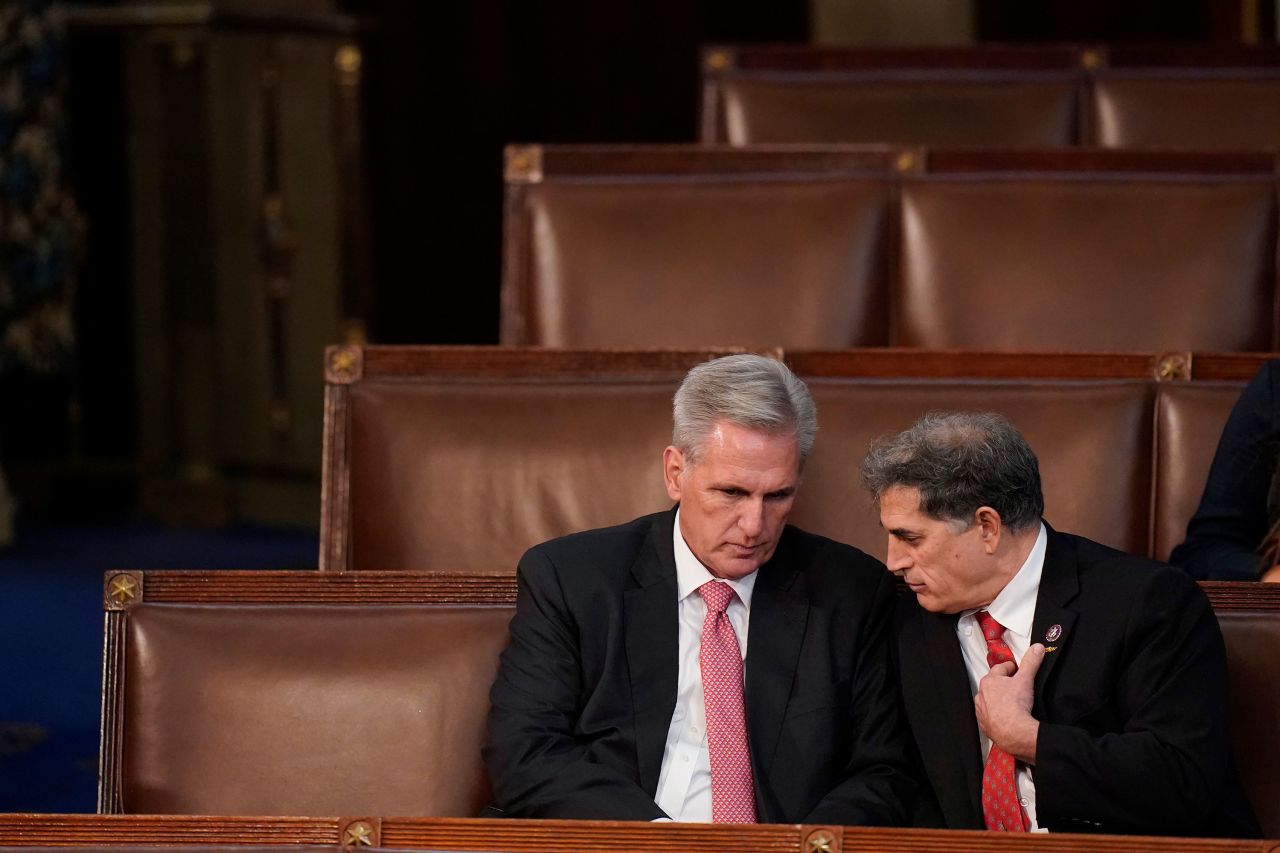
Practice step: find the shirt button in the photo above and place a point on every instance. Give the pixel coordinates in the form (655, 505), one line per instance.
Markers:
(1023, 800)
(685, 759)
(967, 630)
(693, 730)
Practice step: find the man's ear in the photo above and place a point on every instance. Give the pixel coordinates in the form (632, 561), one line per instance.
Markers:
(673, 468)
(991, 526)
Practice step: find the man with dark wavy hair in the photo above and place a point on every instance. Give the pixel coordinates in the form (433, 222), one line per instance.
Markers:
(1051, 683)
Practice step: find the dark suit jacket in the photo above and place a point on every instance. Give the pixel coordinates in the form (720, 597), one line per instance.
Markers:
(587, 686)
(1131, 704)
(1224, 535)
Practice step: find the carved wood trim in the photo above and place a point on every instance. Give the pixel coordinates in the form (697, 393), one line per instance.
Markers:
(562, 836)
(874, 363)
(308, 587)
(111, 714)
(335, 479)
(27, 830)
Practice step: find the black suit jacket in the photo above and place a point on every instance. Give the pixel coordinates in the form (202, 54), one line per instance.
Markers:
(587, 687)
(1131, 704)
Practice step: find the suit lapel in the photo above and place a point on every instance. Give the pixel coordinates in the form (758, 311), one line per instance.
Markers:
(948, 732)
(1053, 622)
(779, 615)
(653, 647)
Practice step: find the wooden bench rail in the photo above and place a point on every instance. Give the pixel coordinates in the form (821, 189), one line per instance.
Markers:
(556, 836)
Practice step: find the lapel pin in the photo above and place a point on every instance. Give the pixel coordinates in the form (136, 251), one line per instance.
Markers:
(1052, 635)
(1048, 649)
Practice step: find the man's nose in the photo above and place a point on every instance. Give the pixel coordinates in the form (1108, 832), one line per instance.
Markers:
(751, 519)
(898, 558)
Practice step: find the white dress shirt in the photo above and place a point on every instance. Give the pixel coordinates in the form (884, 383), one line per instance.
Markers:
(684, 784)
(1015, 609)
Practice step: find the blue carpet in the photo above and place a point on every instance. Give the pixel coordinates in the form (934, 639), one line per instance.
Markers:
(51, 639)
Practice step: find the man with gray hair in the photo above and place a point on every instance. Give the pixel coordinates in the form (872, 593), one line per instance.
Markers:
(1050, 682)
(708, 663)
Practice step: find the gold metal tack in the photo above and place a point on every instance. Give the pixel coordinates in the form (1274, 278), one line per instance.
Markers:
(523, 165)
(1091, 60)
(123, 588)
(344, 360)
(822, 842)
(717, 60)
(348, 59)
(1173, 366)
(359, 835)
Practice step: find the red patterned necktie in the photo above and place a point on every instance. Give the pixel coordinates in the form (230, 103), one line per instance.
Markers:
(733, 798)
(1001, 808)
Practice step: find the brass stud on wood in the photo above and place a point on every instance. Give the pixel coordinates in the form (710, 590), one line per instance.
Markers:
(123, 590)
(717, 60)
(822, 841)
(1173, 367)
(524, 164)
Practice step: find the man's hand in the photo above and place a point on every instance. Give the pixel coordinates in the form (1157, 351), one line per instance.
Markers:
(1003, 705)
(1271, 575)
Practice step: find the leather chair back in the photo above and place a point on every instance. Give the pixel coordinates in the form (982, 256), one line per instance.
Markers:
(435, 468)
(297, 694)
(982, 109)
(1253, 667)
(1189, 421)
(1085, 260)
(693, 251)
(1093, 440)
(1169, 108)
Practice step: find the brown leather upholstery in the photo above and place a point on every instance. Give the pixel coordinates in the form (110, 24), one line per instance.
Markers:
(1189, 421)
(439, 462)
(1105, 262)
(1253, 666)
(295, 693)
(307, 710)
(984, 109)
(730, 263)
(807, 249)
(1184, 96)
(1093, 440)
(464, 476)
(1234, 108)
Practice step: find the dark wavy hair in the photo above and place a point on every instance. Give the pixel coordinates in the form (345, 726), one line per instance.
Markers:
(960, 461)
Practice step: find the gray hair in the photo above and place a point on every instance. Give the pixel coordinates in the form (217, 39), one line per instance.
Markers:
(751, 391)
(960, 461)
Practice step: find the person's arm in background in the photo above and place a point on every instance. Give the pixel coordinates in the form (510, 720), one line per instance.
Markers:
(1224, 535)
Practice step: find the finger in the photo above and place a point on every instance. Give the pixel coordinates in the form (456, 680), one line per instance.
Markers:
(1031, 663)
(1003, 669)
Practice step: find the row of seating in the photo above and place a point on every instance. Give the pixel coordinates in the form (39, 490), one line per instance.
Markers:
(845, 246)
(458, 459)
(285, 693)
(196, 834)
(997, 96)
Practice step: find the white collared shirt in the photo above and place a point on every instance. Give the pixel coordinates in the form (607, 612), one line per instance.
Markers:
(684, 784)
(1015, 609)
